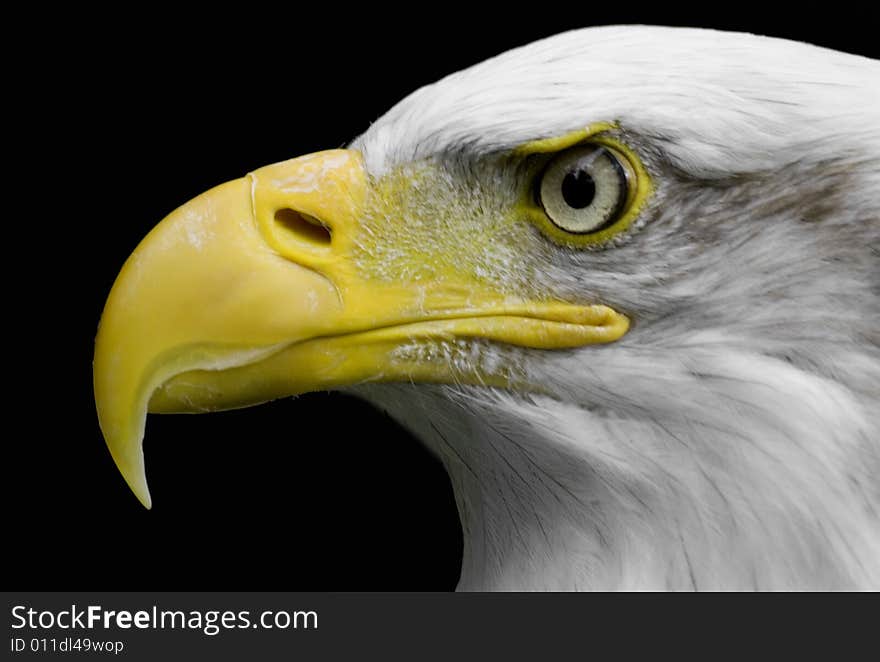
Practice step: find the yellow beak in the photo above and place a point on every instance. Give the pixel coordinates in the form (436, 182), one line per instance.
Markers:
(251, 291)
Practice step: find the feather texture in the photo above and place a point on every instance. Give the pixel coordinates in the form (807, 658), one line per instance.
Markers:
(732, 439)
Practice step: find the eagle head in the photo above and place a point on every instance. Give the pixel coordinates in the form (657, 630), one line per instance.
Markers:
(624, 281)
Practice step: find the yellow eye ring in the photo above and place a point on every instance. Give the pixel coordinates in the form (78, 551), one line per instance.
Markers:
(608, 186)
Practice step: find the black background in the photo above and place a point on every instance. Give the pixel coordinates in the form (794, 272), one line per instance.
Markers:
(127, 117)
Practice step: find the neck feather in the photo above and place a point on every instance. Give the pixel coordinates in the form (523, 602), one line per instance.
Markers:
(747, 486)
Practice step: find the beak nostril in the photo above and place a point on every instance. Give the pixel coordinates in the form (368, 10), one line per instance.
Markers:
(303, 227)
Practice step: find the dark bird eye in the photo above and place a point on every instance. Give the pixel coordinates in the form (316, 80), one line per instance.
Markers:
(584, 189)
(578, 189)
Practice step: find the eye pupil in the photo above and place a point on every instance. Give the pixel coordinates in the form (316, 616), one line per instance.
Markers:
(578, 189)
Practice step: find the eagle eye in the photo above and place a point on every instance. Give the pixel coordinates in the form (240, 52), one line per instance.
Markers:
(585, 189)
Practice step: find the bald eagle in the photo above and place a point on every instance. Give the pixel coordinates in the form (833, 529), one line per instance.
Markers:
(623, 281)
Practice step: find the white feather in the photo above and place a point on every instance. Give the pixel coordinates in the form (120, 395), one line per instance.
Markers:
(722, 102)
(732, 438)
